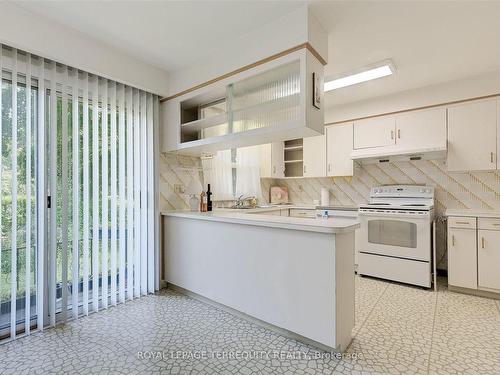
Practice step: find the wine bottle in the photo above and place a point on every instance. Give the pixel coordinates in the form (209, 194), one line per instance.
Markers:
(209, 199)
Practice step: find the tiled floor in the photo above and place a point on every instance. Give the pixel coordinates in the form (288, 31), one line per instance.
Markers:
(399, 330)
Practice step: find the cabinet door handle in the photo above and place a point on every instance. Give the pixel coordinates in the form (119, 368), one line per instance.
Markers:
(392, 134)
(491, 157)
(329, 167)
(482, 242)
(399, 133)
(304, 169)
(463, 222)
(274, 169)
(452, 240)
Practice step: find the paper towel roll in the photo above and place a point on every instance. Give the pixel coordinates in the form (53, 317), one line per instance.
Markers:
(325, 197)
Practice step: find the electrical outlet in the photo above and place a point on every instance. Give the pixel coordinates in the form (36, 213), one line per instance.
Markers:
(179, 188)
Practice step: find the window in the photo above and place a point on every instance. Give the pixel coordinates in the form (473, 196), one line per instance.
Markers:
(233, 173)
(230, 173)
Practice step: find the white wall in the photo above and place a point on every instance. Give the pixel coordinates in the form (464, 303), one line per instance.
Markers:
(481, 85)
(292, 29)
(27, 31)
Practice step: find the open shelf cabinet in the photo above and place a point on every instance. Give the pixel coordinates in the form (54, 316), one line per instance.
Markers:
(268, 103)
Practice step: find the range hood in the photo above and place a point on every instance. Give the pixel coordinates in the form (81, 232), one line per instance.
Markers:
(386, 155)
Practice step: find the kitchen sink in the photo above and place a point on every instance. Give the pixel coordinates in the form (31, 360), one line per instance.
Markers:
(247, 207)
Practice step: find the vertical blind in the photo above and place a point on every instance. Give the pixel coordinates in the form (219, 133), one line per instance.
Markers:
(78, 220)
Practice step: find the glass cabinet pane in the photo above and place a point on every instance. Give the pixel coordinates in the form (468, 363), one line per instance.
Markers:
(268, 99)
(392, 233)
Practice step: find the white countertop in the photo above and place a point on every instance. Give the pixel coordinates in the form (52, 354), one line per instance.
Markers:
(271, 208)
(472, 212)
(331, 225)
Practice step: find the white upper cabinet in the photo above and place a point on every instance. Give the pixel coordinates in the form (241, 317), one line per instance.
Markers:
(170, 133)
(265, 155)
(374, 132)
(423, 129)
(314, 156)
(271, 160)
(277, 160)
(339, 140)
(407, 133)
(472, 136)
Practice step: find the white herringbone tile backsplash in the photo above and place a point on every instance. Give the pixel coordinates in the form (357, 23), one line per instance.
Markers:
(177, 170)
(452, 190)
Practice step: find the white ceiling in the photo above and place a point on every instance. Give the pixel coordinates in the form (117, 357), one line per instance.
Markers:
(167, 34)
(429, 41)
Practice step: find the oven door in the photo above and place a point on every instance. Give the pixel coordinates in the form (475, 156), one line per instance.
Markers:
(395, 234)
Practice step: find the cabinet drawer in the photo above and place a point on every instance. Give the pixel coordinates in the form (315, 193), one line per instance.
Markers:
(295, 212)
(462, 222)
(273, 213)
(488, 223)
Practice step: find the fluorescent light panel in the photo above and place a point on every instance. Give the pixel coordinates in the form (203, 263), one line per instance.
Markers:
(353, 79)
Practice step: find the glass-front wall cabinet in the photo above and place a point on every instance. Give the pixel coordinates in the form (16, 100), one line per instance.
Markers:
(267, 99)
(270, 102)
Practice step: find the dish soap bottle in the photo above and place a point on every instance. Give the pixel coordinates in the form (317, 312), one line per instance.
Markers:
(203, 201)
(209, 199)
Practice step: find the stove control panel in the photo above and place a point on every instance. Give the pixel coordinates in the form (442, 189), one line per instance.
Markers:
(402, 191)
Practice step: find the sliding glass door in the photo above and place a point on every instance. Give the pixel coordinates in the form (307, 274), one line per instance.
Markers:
(96, 257)
(65, 250)
(78, 223)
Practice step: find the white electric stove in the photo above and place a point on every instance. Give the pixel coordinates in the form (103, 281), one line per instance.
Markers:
(395, 239)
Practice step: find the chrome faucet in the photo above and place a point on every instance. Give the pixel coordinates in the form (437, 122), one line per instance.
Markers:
(240, 202)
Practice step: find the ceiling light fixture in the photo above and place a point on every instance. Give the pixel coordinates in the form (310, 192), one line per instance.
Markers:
(375, 71)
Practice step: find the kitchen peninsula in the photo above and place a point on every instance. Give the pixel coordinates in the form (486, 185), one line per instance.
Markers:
(294, 274)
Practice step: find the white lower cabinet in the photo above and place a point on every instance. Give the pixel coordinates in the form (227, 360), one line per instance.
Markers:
(474, 253)
(462, 257)
(488, 255)
(488, 259)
